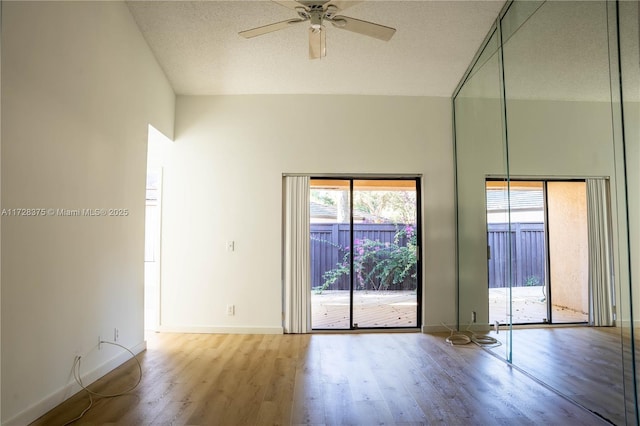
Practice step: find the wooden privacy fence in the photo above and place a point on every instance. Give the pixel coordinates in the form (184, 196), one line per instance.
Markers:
(527, 254)
(331, 241)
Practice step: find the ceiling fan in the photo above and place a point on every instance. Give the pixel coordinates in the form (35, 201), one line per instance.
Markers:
(317, 12)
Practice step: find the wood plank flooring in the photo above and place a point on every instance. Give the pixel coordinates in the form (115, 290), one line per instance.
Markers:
(583, 363)
(321, 379)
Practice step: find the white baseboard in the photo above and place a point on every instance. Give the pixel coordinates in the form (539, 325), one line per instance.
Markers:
(220, 330)
(436, 328)
(482, 328)
(626, 323)
(56, 398)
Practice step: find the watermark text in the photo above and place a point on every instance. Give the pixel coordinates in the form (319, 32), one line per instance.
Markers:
(37, 212)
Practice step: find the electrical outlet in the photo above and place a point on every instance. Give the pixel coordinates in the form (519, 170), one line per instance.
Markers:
(473, 317)
(231, 310)
(116, 334)
(99, 342)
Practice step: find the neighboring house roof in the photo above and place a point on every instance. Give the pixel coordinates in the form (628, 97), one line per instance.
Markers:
(325, 211)
(528, 199)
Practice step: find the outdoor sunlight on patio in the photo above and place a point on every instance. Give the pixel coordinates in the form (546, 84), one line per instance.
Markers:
(370, 309)
(529, 306)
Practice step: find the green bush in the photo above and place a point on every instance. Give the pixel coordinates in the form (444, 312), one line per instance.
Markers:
(379, 266)
(532, 280)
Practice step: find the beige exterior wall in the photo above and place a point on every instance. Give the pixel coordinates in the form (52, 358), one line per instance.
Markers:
(568, 245)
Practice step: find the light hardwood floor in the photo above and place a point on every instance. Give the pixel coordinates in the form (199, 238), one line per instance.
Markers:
(321, 379)
(584, 363)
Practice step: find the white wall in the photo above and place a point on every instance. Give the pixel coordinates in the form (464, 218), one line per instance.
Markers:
(223, 181)
(79, 88)
(632, 122)
(479, 153)
(0, 220)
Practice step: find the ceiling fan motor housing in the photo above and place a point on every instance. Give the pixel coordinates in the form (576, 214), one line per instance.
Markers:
(316, 14)
(316, 19)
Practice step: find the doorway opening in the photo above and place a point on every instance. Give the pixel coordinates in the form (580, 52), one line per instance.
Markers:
(158, 151)
(152, 227)
(543, 225)
(365, 263)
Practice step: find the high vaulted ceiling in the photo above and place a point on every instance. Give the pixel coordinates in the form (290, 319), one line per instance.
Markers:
(198, 46)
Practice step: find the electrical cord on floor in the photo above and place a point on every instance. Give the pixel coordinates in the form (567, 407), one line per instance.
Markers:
(78, 379)
(456, 338)
(483, 340)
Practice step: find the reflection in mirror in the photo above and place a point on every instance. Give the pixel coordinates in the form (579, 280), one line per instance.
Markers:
(542, 109)
(629, 36)
(559, 125)
(480, 151)
(516, 16)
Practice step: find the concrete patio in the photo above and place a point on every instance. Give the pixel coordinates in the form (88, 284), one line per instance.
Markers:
(373, 309)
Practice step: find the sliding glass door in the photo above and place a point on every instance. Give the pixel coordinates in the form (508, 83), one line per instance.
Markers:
(365, 253)
(546, 233)
(330, 209)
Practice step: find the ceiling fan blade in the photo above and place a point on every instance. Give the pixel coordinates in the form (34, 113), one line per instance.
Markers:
(317, 43)
(269, 28)
(370, 29)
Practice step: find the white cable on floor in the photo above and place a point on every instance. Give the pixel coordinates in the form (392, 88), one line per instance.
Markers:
(483, 340)
(78, 378)
(76, 365)
(456, 338)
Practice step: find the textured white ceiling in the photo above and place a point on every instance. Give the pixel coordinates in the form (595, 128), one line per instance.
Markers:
(560, 53)
(197, 45)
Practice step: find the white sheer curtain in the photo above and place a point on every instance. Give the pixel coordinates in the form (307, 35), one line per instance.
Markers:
(297, 256)
(601, 296)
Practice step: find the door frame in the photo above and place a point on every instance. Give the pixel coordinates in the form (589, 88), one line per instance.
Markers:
(544, 180)
(418, 188)
(153, 231)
